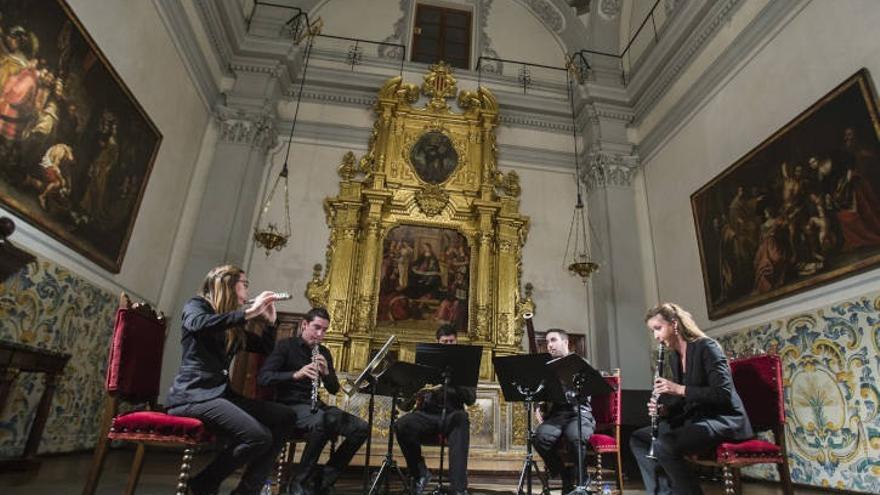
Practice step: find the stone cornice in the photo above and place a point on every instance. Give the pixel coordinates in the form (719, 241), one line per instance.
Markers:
(343, 135)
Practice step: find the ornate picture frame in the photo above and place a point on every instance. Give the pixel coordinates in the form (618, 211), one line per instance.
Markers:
(76, 148)
(800, 210)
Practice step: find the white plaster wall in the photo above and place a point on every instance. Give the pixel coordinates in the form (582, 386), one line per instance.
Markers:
(132, 36)
(356, 19)
(312, 178)
(518, 35)
(548, 198)
(822, 45)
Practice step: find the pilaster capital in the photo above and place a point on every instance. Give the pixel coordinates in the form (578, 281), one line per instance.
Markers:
(609, 169)
(256, 129)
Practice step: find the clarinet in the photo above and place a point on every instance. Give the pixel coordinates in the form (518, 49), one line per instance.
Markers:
(655, 418)
(316, 382)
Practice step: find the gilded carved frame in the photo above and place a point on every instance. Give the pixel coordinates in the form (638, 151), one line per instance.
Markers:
(382, 190)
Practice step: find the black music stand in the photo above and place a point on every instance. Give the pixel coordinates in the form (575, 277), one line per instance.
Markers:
(459, 366)
(579, 380)
(526, 378)
(399, 379)
(365, 382)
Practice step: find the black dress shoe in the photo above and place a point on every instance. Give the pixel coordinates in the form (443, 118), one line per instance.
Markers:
(297, 488)
(421, 482)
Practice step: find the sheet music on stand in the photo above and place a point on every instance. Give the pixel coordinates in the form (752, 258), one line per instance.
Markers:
(576, 374)
(370, 369)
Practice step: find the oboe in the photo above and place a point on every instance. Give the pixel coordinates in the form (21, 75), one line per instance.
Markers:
(655, 418)
(316, 382)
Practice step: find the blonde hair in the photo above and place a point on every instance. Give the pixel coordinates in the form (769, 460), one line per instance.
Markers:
(673, 313)
(219, 290)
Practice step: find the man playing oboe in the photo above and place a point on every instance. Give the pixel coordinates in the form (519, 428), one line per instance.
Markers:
(561, 421)
(698, 407)
(296, 370)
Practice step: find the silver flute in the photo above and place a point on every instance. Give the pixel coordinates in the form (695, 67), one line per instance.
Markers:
(316, 382)
(279, 296)
(655, 418)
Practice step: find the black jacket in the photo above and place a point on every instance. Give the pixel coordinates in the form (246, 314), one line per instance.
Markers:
(204, 362)
(289, 356)
(710, 396)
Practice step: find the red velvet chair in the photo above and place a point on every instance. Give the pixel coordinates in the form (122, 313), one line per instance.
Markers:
(606, 438)
(758, 380)
(133, 370)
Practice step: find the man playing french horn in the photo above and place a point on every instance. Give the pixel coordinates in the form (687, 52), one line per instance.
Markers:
(296, 368)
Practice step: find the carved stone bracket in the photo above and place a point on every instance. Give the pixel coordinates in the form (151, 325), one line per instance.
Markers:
(610, 169)
(238, 127)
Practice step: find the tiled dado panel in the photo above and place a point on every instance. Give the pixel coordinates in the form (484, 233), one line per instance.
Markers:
(831, 360)
(47, 306)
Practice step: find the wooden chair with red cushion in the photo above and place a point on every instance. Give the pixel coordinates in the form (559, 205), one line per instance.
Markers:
(133, 370)
(606, 438)
(758, 381)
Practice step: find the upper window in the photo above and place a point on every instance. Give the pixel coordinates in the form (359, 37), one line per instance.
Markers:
(442, 34)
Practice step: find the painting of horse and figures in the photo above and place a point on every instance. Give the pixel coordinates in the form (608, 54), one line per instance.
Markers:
(799, 210)
(76, 148)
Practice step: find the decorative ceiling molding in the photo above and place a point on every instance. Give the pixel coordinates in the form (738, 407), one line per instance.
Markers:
(657, 80)
(549, 15)
(610, 9)
(484, 8)
(765, 24)
(401, 28)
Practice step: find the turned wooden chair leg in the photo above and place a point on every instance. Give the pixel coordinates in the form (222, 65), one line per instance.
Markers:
(185, 466)
(599, 479)
(619, 472)
(135, 474)
(107, 413)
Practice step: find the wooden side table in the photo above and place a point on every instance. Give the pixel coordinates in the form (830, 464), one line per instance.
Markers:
(14, 359)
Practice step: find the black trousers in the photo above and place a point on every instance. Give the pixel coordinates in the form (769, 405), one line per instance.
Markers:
(419, 427)
(256, 431)
(562, 423)
(670, 473)
(324, 424)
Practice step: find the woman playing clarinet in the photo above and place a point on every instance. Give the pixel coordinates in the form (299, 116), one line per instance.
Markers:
(697, 406)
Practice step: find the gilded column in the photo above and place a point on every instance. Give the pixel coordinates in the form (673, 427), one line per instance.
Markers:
(366, 295)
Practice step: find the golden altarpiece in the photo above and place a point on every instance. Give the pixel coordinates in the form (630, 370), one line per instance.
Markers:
(425, 230)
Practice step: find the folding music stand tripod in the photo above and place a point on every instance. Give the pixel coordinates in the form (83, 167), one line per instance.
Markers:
(459, 366)
(399, 379)
(579, 381)
(525, 378)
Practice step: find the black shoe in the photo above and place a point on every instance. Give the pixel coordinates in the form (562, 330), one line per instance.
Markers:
(421, 482)
(297, 488)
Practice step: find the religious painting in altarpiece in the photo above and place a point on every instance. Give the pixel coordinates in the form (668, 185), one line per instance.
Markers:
(425, 230)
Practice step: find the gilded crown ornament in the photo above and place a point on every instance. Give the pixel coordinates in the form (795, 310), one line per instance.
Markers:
(439, 85)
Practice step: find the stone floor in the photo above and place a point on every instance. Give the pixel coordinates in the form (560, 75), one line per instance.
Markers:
(65, 474)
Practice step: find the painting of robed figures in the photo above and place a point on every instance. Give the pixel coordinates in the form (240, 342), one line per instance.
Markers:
(799, 210)
(76, 149)
(424, 279)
